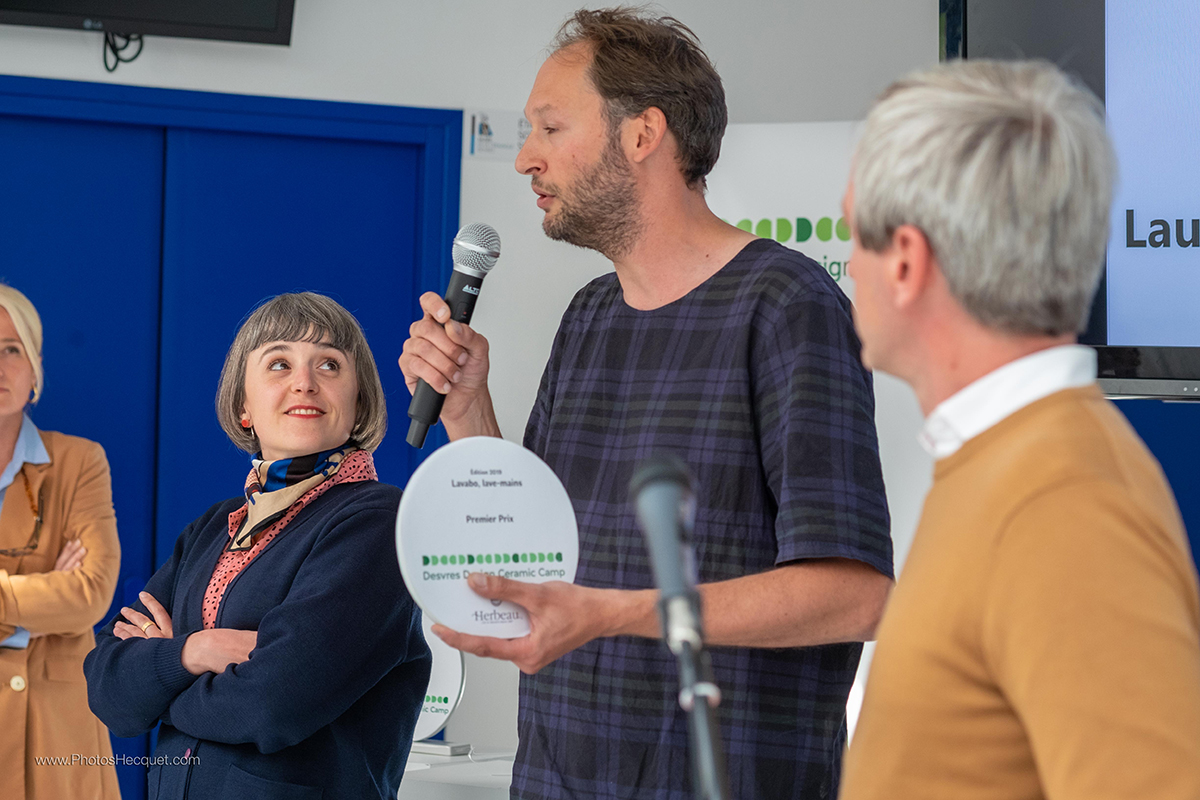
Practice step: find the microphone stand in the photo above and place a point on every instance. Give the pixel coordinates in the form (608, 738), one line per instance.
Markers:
(665, 508)
(698, 693)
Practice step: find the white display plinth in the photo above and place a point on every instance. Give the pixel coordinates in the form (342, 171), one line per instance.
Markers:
(480, 776)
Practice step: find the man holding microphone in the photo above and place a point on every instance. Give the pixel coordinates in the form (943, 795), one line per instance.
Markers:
(735, 354)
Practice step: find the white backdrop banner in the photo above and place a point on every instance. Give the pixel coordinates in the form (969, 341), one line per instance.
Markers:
(785, 182)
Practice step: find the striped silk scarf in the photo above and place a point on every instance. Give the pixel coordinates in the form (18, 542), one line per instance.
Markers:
(273, 486)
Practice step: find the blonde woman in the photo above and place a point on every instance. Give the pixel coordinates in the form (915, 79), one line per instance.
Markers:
(59, 558)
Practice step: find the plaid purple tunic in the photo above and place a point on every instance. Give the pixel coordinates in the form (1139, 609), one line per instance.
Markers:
(753, 379)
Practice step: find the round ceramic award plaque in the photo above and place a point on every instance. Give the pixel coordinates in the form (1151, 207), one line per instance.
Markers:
(445, 685)
(487, 505)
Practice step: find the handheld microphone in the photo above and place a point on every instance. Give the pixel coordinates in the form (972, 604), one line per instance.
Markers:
(662, 489)
(476, 248)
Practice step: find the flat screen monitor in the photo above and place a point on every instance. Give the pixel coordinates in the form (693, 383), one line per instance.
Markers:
(1142, 60)
(262, 21)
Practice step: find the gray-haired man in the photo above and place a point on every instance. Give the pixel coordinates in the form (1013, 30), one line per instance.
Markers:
(1044, 640)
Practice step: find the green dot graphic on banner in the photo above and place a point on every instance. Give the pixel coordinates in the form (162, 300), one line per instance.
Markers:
(483, 505)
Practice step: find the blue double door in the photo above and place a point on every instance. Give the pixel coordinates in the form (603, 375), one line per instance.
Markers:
(144, 245)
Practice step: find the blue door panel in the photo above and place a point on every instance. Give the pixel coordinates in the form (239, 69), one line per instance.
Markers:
(80, 221)
(1172, 432)
(104, 190)
(249, 216)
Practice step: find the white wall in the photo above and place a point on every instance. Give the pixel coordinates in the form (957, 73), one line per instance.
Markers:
(781, 61)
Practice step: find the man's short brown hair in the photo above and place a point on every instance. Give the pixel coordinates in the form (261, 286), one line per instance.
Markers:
(639, 62)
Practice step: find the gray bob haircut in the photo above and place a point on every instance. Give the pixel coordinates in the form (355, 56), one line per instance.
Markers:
(1007, 169)
(302, 317)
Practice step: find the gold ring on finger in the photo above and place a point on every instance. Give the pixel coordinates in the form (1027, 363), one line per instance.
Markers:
(147, 624)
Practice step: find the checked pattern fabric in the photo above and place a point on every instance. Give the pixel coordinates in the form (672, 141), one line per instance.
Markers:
(754, 379)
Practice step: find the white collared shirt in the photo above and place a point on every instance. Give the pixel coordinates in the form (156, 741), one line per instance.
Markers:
(28, 450)
(1002, 392)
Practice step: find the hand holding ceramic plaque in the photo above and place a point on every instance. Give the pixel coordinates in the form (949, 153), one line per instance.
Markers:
(483, 505)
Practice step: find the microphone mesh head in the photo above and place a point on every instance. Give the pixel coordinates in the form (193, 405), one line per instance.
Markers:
(476, 247)
(663, 467)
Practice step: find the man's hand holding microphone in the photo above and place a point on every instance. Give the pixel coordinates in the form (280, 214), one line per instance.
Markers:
(452, 359)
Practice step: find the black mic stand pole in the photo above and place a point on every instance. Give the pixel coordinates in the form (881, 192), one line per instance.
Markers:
(665, 507)
(698, 693)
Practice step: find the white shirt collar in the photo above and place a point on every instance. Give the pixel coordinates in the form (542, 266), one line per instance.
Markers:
(29, 450)
(1002, 392)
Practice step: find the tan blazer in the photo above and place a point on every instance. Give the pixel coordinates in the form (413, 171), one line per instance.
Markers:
(43, 696)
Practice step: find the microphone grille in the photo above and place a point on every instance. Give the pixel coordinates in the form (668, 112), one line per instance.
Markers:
(661, 467)
(476, 247)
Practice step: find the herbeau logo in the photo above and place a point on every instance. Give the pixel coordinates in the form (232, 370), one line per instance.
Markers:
(1159, 234)
(493, 617)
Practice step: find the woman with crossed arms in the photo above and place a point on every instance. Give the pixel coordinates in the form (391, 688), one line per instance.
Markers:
(59, 559)
(278, 645)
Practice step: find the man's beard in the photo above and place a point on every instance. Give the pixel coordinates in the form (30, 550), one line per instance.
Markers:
(601, 211)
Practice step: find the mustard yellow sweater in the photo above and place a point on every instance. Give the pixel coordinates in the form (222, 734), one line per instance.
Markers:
(1043, 640)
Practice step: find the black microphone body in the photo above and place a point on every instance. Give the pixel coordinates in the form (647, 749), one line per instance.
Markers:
(663, 496)
(476, 248)
(426, 405)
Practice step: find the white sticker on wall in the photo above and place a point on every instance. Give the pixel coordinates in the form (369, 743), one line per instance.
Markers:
(483, 505)
(494, 134)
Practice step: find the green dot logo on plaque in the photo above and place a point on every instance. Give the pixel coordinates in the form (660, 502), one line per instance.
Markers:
(445, 686)
(483, 505)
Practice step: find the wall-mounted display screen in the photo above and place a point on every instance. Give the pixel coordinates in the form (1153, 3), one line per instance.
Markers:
(1153, 103)
(1141, 59)
(264, 21)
